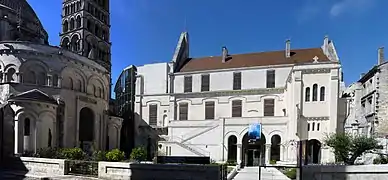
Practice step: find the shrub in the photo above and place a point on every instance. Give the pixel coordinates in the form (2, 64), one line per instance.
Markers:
(115, 155)
(381, 160)
(347, 148)
(73, 154)
(272, 162)
(139, 154)
(99, 156)
(290, 173)
(47, 153)
(231, 162)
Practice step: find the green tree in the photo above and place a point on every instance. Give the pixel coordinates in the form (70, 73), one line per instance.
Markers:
(347, 148)
(139, 154)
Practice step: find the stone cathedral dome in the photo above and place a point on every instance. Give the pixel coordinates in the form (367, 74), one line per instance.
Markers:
(19, 22)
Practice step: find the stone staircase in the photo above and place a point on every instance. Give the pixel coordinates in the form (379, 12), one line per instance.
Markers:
(252, 173)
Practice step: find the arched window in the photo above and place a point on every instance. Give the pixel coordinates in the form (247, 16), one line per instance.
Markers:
(322, 94)
(232, 148)
(65, 26)
(78, 21)
(42, 79)
(72, 23)
(55, 80)
(10, 74)
(307, 94)
(27, 126)
(30, 77)
(315, 92)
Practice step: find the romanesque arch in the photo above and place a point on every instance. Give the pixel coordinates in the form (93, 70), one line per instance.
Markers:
(314, 151)
(275, 147)
(253, 151)
(86, 125)
(232, 148)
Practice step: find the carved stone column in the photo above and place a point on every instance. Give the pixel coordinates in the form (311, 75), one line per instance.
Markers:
(267, 153)
(4, 77)
(239, 147)
(60, 82)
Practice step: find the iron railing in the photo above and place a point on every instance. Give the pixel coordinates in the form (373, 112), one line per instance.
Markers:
(84, 168)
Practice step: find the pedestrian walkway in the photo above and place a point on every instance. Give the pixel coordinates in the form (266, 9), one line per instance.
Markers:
(252, 173)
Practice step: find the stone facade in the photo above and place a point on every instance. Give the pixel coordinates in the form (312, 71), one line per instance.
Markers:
(369, 97)
(223, 137)
(58, 97)
(357, 172)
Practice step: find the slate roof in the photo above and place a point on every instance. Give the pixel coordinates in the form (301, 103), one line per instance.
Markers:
(33, 95)
(298, 56)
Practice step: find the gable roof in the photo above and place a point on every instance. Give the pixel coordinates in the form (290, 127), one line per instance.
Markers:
(34, 95)
(298, 56)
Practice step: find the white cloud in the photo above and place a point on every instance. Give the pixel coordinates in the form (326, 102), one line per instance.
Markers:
(350, 6)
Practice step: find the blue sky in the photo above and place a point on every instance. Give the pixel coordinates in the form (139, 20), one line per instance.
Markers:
(147, 31)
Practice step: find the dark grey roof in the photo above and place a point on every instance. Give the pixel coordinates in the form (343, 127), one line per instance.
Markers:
(33, 95)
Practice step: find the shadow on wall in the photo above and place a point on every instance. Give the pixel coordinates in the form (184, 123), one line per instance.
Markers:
(331, 172)
(146, 136)
(163, 172)
(8, 164)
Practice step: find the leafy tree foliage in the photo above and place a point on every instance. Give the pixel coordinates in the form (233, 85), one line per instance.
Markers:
(347, 148)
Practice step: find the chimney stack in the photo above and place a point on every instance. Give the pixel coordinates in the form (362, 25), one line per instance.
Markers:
(225, 54)
(288, 48)
(381, 55)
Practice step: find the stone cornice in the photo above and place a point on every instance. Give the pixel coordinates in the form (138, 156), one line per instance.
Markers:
(316, 70)
(319, 118)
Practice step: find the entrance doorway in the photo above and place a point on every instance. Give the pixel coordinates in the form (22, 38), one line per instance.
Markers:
(253, 151)
(314, 151)
(86, 128)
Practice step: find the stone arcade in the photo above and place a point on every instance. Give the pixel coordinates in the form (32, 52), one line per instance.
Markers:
(55, 96)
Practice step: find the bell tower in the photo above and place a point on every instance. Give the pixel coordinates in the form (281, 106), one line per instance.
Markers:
(86, 29)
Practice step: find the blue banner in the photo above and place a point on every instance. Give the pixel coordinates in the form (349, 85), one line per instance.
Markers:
(254, 131)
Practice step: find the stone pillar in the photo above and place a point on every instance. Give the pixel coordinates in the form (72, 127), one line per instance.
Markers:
(60, 82)
(239, 160)
(16, 129)
(49, 80)
(267, 153)
(4, 77)
(36, 137)
(282, 152)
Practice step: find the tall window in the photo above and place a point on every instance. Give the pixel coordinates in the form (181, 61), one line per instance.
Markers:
(270, 78)
(269, 107)
(153, 114)
(322, 94)
(27, 126)
(237, 81)
(307, 94)
(236, 108)
(188, 84)
(183, 111)
(205, 82)
(209, 110)
(315, 92)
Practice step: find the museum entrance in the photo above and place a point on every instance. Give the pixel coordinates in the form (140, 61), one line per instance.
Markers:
(253, 151)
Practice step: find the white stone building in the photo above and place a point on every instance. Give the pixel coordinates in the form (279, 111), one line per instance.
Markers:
(369, 100)
(53, 97)
(208, 103)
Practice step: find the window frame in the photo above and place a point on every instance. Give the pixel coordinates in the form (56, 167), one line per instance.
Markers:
(210, 110)
(205, 78)
(270, 78)
(237, 105)
(237, 78)
(188, 84)
(269, 104)
(183, 111)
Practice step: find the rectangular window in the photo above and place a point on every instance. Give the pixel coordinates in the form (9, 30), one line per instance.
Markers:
(153, 114)
(237, 81)
(308, 126)
(27, 130)
(269, 107)
(209, 110)
(188, 84)
(270, 78)
(205, 82)
(236, 108)
(183, 111)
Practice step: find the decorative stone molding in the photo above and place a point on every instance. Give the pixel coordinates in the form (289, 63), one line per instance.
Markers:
(316, 71)
(229, 93)
(87, 99)
(317, 118)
